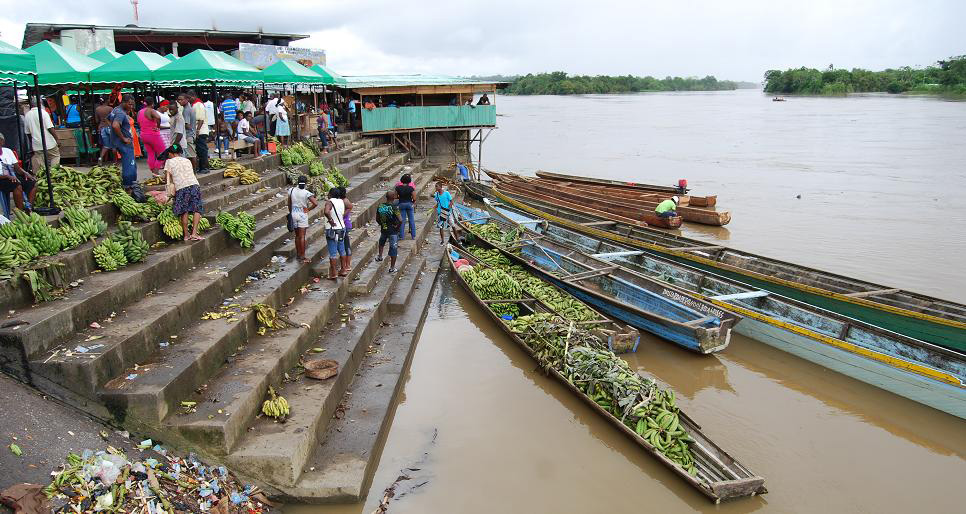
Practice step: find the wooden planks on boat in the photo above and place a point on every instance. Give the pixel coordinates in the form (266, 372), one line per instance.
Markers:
(695, 201)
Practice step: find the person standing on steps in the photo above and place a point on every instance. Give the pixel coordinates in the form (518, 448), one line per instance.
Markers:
(201, 131)
(187, 192)
(387, 216)
(150, 122)
(407, 205)
(444, 203)
(334, 210)
(300, 202)
(14, 179)
(122, 141)
(190, 129)
(101, 112)
(347, 218)
(33, 127)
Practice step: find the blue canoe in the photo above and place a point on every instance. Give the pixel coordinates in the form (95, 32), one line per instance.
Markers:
(650, 305)
(918, 370)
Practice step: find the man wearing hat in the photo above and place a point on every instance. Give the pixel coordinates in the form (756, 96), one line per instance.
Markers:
(667, 208)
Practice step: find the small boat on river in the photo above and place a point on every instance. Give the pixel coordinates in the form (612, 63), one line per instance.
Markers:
(719, 476)
(923, 372)
(650, 305)
(918, 316)
(611, 185)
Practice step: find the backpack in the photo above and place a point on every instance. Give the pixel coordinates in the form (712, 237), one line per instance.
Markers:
(386, 216)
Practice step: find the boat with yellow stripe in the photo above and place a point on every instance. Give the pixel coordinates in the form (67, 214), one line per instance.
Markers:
(923, 372)
(929, 319)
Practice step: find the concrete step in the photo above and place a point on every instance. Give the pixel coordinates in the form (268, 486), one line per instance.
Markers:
(376, 158)
(275, 452)
(168, 304)
(340, 469)
(103, 293)
(238, 388)
(406, 285)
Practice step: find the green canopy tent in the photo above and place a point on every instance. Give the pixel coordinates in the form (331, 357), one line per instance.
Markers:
(331, 78)
(131, 67)
(58, 65)
(104, 55)
(290, 72)
(171, 57)
(207, 67)
(19, 68)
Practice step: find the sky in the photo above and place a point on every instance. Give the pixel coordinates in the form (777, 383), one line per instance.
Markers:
(730, 39)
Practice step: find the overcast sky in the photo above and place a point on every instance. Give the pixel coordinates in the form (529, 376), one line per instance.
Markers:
(731, 39)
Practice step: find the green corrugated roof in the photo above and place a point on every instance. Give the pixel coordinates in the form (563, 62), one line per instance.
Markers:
(130, 67)
(58, 65)
(16, 64)
(331, 77)
(104, 55)
(203, 66)
(290, 72)
(359, 81)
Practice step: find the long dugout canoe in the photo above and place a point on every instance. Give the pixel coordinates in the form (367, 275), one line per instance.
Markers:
(612, 203)
(720, 476)
(923, 372)
(695, 201)
(684, 320)
(922, 317)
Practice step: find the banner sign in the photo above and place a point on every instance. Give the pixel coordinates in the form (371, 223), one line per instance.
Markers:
(262, 56)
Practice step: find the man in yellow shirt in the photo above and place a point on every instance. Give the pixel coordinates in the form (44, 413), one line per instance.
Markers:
(667, 208)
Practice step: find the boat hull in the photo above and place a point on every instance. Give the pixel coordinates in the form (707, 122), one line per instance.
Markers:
(932, 329)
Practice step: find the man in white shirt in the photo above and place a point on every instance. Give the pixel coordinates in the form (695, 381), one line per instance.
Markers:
(210, 114)
(32, 127)
(271, 109)
(247, 134)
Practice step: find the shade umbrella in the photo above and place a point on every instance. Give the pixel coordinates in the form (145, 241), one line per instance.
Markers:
(131, 67)
(58, 65)
(104, 55)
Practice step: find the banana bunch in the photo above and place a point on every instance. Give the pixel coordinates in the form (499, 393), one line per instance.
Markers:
(135, 247)
(241, 227)
(170, 224)
(216, 163)
(267, 317)
(109, 255)
(246, 175)
(203, 224)
(72, 239)
(488, 231)
(494, 284)
(660, 425)
(16, 252)
(76, 188)
(129, 208)
(158, 180)
(34, 228)
(87, 224)
(276, 406)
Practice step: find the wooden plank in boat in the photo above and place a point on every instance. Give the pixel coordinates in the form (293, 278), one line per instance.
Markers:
(584, 275)
(863, 294)
(598, 223)
(741, 296)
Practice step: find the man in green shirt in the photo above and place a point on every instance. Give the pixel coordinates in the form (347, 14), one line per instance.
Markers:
(667, 208)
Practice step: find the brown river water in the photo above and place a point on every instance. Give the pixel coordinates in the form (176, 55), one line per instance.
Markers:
(883, 185)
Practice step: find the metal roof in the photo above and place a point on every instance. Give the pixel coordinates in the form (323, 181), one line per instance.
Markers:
(364, 81)
(34, 32)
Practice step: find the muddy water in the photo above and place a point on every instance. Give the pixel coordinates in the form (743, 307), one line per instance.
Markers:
(489, 433)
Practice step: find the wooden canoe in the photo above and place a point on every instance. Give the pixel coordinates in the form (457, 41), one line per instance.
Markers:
(695, 201)
(725, 477)
(686, 321)
(632, 207)
(923, 372)
(654, 220)
(922, 317)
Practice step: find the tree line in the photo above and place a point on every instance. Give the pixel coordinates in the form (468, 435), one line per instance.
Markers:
(560, 83)
(947, 76)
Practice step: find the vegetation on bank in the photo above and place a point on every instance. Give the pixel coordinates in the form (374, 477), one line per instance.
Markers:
(948, 76)
(560, 83)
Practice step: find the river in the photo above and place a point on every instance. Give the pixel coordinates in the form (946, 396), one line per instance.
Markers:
(883, 197)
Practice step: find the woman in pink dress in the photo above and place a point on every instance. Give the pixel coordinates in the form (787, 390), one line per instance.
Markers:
(150, 121)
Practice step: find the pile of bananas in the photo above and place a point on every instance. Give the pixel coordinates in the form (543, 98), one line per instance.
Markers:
(157, 180)
(580, 357)
(129, 208)
(276, 406)
(135, 247)
(14, 253)
(267, 317)
(34, 228)
(109, 255)
(170, 224)
(246, 175)
(72, 239)
(299, 153)
(241, 227)
(216, 163)
(494, 284)
(562, 302)
(76, 188)
(87, 224)
(488, 231)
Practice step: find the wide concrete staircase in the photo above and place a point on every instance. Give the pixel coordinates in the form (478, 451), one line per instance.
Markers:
(153, 351)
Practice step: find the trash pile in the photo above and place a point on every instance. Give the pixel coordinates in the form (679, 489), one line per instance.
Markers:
(159, 484)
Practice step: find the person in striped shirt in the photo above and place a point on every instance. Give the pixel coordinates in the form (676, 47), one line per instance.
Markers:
(229, 109)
